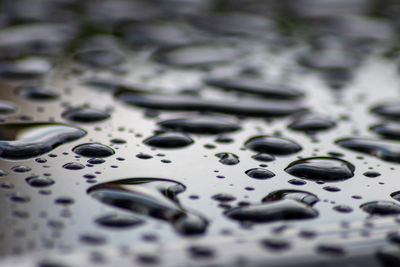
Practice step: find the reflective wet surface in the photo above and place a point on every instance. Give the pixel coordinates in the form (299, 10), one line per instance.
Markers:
(154, 124)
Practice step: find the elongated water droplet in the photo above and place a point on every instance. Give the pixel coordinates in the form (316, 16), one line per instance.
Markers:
(169, 140)
(381, 208)
(321, 168)
(85, 115)
(93, 150)
(300, 196)
(272, 145)
(23, 141)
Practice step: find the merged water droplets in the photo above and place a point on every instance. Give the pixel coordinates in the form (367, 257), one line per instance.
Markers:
(28, 140)
(169, 140)
(152, 197)
(228, 158)
(284, 210)
(272, 145)
(388, 150)
(202, 125)
(325, 169)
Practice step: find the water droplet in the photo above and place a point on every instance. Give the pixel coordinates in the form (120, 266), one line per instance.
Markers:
(7, 108)
(73, 166)
(39, 181)
(264, 157)
(256, 86)
(381, 208)
(389, 130)
(93, 150)
(169, 140)
(228, 158)
(245, 107)
(371, 174)
(119, 221)
(202, 125)
(284, 210)
(224, 197)
(343, 208)
(272, 145)
(96, 161)
(388, 150)
(93, 239)
(38, 93)
(152, 197)
(311, 124)
(26, 68)
(321, 168)
(23, 141)
(196, 55)
(21, 168)
(144, 156)
(275, 244)
(19, 197)
(260, 173)
(300, 196)
(85, 115)
(388, 111)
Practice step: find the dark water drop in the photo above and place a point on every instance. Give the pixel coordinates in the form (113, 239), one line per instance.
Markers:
(198, 251)
(202, 125)
(275, 244)
(311, 124)
(321, 169)
(300, 196)
(389, 130)
(245, 107)
(19, 197)
(85, 115)
(93, 150)
(100, 58)
(228, 158)
(224, 197)
(381, 208)
(27, 68)
(259, 173)
(272, 145)
(73, 166)
(256, 86)
(295, 181)
(387, 150)
(371, 174)
(144, 156)
(92, 239)
(119, 221)
(64, 201)
(153, 197)
(20, 168)
(396, 195)
(343, 208)
(39, 181)
(96, 161)
(38, 93)
(264, 157)
(389, 111)
(330, 249)
(118, 141)
(28, 140)
(331, 188)
(196, 55)
(169, 140)
(7, 108)
(283, 210)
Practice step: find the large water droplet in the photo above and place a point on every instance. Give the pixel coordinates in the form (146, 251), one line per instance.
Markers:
(23, 141)
(272, 145)
(284, 210)
(387, 150)
(256, 86)
(381, 208)
(202, 125)
(39, 181)
(321, 168)
(93, 150)
(245, 107)
(389, 130)
(85, 115)
(169, 140)
(389, 111)
(153, 197)
(311, 124)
